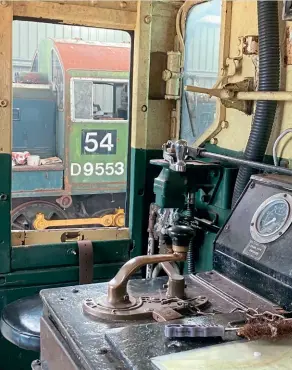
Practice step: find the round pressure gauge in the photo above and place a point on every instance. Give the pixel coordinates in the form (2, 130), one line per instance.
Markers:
(272, 218)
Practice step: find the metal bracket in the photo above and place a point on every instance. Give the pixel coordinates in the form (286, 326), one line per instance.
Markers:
(229, 94)
(241, 105)
(172, 75)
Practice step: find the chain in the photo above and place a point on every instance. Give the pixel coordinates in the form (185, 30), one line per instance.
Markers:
(254, 316)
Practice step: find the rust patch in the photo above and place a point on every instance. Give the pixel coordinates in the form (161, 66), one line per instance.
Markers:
(250, 45)
(288, 49)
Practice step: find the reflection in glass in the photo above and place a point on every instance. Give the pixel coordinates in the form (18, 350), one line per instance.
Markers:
(95, 100)
(201, 68)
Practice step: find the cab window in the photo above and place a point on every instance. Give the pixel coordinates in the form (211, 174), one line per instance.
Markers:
(93, 100)
(201, 68)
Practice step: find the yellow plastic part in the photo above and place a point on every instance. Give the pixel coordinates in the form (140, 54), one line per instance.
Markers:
(253, 355)
(117, 220)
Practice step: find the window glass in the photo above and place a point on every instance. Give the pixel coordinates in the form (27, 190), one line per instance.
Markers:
(99, 100)
(201, 68)
(83, 100)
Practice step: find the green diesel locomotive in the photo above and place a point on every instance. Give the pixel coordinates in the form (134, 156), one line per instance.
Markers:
(71, 111)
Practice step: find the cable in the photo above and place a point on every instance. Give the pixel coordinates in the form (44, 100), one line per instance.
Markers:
(269, 79)
(178, 29)
(275, 146)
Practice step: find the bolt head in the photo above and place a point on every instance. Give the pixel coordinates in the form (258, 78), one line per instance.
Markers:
(166, 75)
(3, 103)
(224, 124)
(147, 19)
(3, 197)
(214, 141)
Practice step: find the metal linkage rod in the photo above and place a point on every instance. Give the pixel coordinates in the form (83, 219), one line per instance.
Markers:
(193, 152)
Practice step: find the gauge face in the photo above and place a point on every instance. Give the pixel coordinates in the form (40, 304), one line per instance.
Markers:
(273, 217)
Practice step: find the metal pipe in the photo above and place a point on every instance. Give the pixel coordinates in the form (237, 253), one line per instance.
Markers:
(264, 95)
(243, 162)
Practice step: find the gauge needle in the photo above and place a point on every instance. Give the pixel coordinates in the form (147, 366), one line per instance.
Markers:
(270, 222)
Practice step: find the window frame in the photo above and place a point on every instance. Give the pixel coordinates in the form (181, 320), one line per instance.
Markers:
(220, 115)
(98, 79)
(100, 15)
(63, 78)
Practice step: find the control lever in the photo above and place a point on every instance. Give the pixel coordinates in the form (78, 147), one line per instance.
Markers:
(174, 153)
(180, 151)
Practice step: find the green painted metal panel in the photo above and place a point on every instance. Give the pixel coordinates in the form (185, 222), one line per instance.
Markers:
(44, 56)
(98, 171)
(55, 275)
(5, 206)
(141, 195)
(41, 256)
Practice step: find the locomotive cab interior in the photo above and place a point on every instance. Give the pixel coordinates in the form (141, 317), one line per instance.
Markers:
(153, 229)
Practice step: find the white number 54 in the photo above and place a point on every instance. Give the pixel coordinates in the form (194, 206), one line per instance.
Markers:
(92, 142)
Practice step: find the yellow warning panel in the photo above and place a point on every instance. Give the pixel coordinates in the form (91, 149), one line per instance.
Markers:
(255, 355)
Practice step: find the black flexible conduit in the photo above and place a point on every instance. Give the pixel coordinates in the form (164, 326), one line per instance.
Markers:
(269, 75)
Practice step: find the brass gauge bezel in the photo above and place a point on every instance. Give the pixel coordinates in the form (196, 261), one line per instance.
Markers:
(254, 231)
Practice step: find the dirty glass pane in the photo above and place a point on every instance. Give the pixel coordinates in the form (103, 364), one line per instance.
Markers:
(83, 102)
(70, 126)
(95, 100)
(103, 100)
(122, 100)
(201, 68)
(110, 100)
